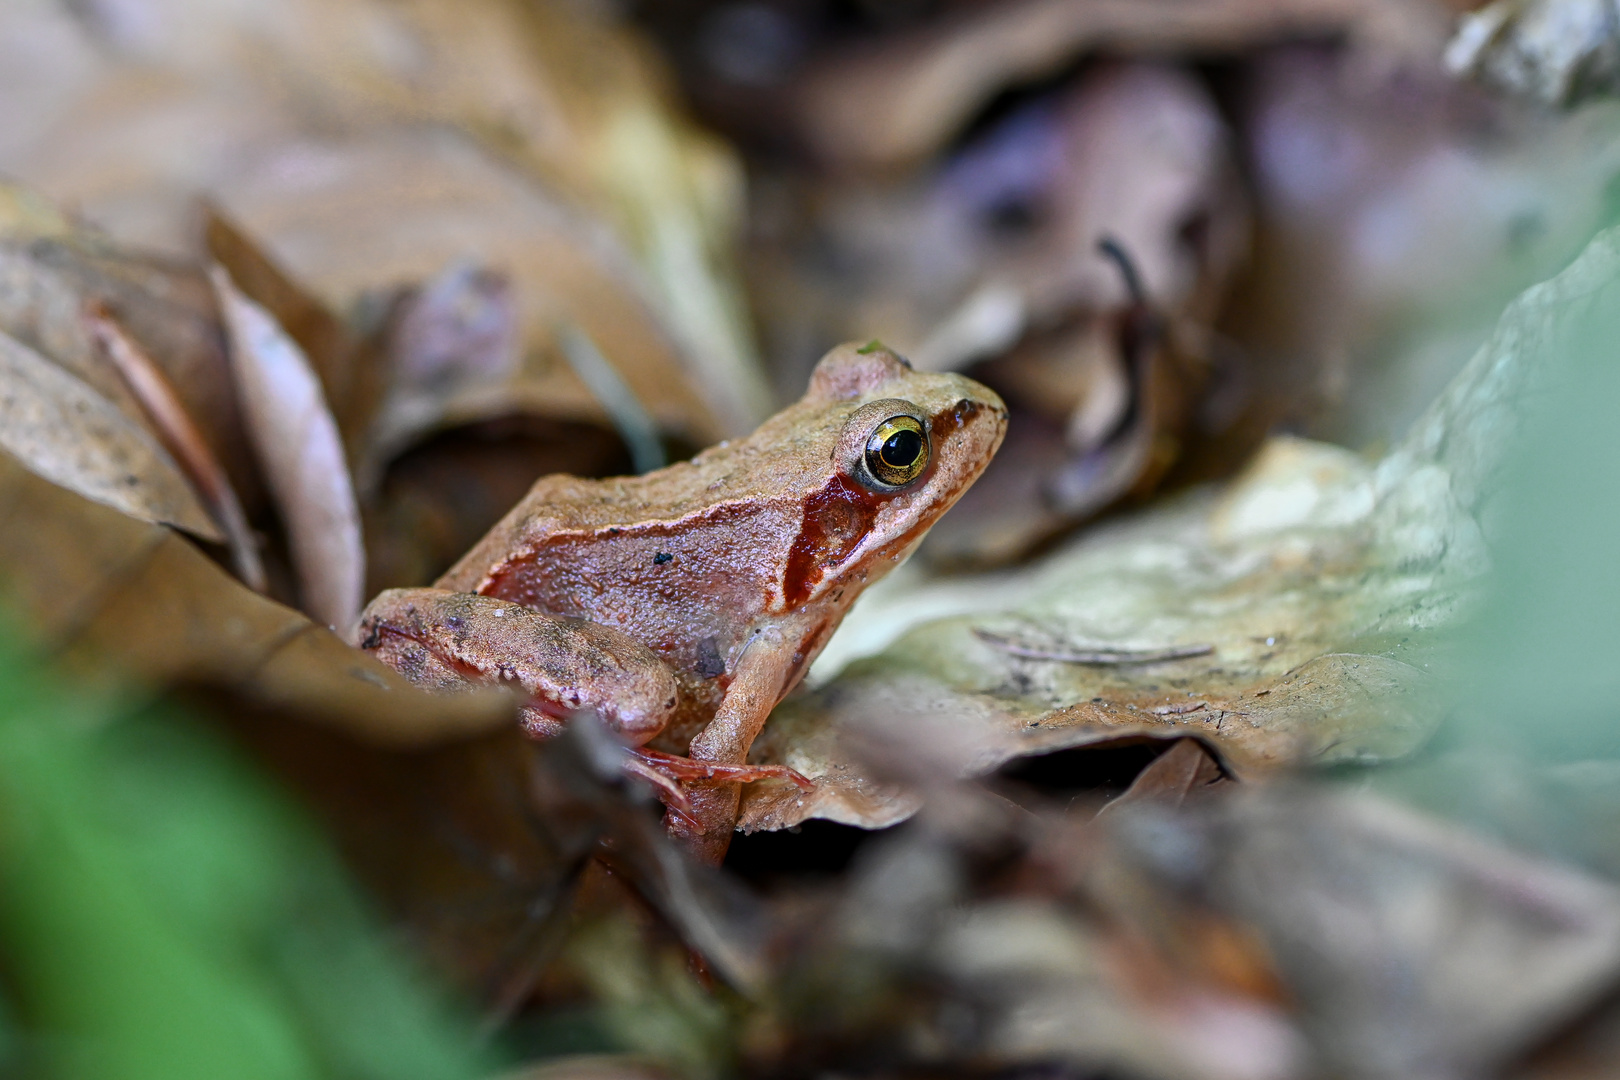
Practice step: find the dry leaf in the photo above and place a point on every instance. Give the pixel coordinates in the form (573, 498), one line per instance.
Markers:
(1184, 770)
(113, 596)
(63, 430)
(399, 206)
(895, 102)
(348, 376)
(52, 270)
(301, 453)
(1135, 153)
(1320, 580)
(414, 137)
(179, 435)
(1558, 52)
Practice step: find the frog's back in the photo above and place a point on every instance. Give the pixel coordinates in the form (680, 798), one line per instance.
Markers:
(661, 557)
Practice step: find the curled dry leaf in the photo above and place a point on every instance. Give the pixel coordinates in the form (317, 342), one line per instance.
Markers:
(1184, 771)
(347, 374)
(302, 456)
(897, 101)
(533, 138)
(471, 833)
(111, 596)
(1321, 581)
(452, 345)
(51, 270)
(65, 431)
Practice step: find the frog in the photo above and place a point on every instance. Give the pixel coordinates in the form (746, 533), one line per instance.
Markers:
(682, 605)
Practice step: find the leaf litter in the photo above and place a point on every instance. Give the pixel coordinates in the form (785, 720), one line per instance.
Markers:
(1318, 582)
(1210, 922)
(68, 433)
(301, 453)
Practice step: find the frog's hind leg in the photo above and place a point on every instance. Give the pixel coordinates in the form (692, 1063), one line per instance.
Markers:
(445, 640)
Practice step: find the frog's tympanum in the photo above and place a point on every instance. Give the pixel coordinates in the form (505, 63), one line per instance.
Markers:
(683, 604)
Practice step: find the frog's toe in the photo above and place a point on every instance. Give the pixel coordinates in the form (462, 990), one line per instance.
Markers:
(683, 768)
(667, 787)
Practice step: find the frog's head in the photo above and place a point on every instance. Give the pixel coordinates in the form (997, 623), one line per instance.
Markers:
(904, 445)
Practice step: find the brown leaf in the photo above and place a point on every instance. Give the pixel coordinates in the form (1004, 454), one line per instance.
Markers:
(895, 102)
(333, 353)
(66, 432)
(536, 141)
(1320, 581)
(110, 594)
(301, 453)
(1184, 770)
(50, 270)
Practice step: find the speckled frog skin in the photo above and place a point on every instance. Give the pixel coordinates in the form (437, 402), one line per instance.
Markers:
(682, 605)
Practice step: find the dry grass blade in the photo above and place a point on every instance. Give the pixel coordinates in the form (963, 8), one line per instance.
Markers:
(634, 425)
(63, 430)
(299, 448)
(180, 437)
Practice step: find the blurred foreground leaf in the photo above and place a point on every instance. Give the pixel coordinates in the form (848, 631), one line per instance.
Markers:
(164, 913)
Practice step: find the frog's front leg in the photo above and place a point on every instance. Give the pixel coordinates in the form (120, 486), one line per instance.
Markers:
(762, 673)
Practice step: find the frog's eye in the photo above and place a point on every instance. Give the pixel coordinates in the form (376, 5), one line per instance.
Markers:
(897, 451)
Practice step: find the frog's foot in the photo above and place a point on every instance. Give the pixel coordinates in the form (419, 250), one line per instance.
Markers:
(684, 768)
(667, 772)
(667, 788)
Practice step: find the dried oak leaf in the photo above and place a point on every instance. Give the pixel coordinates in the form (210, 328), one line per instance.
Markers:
(1317, 581)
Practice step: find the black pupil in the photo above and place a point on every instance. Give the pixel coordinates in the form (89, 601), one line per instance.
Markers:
(901, 449)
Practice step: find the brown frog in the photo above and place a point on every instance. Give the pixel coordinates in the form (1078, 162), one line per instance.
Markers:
(683, 604)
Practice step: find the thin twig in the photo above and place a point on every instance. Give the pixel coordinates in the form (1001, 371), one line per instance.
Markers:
(180, 436)
(1092, 656)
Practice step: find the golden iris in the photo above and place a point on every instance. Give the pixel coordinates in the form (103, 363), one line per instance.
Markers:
(897, 451)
